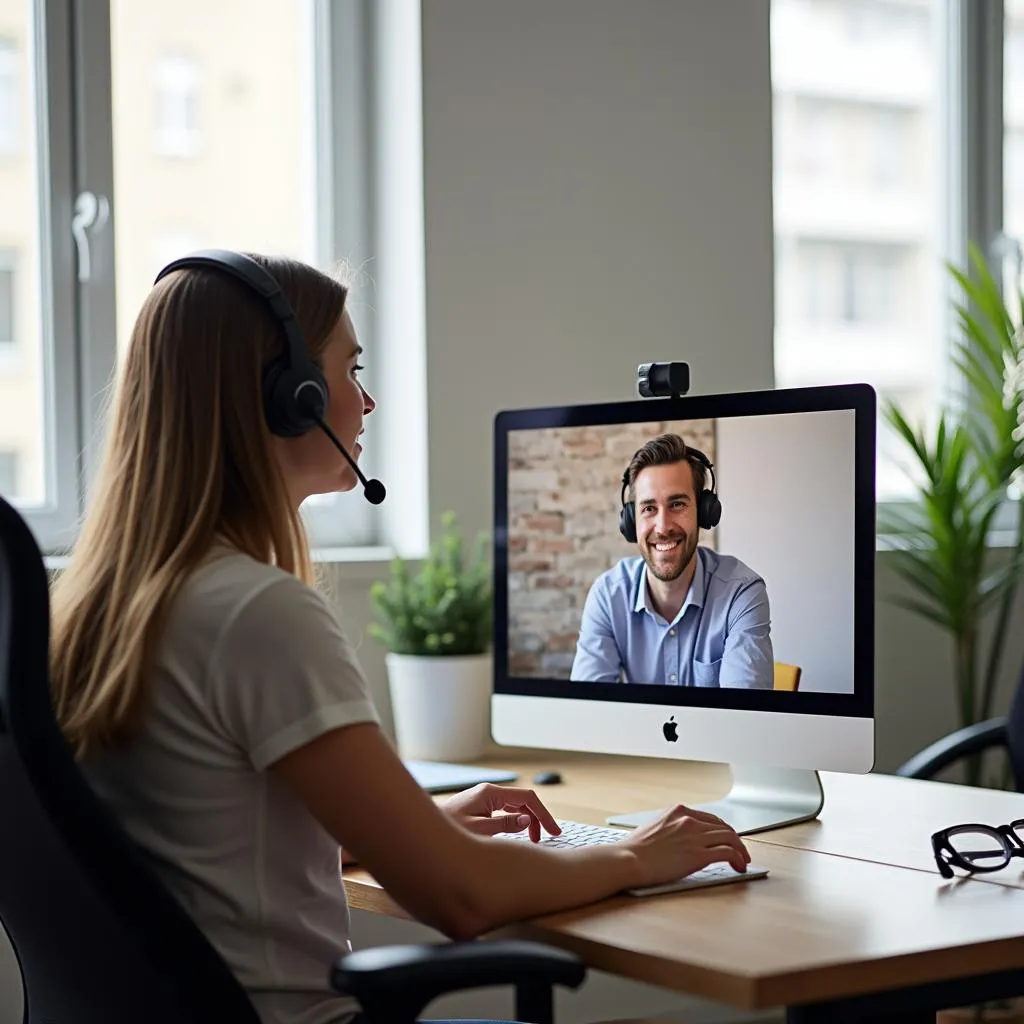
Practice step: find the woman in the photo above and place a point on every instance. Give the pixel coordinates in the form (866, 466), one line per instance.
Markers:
(213, 700)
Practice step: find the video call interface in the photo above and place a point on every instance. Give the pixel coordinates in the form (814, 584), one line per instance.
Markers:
(727, 561)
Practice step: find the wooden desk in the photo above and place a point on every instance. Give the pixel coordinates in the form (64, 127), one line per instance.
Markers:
(890, 820)
(853, 923)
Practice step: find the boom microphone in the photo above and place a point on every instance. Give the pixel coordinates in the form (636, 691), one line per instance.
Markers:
(373, 490)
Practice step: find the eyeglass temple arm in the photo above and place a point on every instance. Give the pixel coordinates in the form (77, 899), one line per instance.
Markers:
(972, 739)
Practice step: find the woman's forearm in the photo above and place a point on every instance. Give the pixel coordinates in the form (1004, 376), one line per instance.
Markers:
(506, 881)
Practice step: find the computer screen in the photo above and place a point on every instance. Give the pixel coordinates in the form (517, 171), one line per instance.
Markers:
(705, 552)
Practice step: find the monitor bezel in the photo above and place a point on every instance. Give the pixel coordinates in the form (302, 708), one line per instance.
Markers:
(859, 398)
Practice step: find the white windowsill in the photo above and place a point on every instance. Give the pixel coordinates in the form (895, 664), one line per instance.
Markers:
(1002, 535)
(357, 562)
(998, 540)
(369, 563)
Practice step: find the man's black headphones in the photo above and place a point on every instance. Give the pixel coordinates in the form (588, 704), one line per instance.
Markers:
(293, 388)
(709, 508)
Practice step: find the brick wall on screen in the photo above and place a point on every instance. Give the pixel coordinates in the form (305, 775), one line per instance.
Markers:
(563, 494)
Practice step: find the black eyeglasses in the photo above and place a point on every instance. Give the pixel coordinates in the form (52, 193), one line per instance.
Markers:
(977, 847)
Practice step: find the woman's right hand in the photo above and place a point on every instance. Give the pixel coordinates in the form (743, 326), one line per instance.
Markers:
(683, 840)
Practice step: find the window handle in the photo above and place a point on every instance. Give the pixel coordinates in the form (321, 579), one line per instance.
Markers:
(91, 214)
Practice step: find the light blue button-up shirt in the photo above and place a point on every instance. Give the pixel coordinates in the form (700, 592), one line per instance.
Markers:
(721, 636)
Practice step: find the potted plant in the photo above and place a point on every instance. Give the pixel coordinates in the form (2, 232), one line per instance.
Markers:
(436, 625)
(967, 467)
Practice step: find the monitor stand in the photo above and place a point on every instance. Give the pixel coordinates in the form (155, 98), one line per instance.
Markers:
(761, 798)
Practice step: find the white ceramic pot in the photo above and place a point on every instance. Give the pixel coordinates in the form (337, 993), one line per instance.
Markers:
(441, 706)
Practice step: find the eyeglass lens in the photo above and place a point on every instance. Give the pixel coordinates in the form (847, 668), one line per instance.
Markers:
(981, 848)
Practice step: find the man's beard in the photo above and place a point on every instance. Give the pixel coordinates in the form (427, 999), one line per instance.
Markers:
(669, 565)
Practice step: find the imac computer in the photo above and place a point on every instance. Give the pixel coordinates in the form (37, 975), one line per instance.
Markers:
(692, 577)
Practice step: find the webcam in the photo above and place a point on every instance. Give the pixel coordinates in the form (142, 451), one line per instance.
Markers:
(662, 380)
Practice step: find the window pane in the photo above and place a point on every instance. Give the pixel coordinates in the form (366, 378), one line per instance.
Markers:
(215, 144)
(8, 472)
(857, 190)
(23, 452)
(1013, 137)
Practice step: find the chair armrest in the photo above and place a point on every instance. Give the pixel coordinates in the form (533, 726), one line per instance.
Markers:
(394, 983)
(972, 739)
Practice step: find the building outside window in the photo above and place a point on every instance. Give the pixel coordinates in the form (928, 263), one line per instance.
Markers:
(177, 129)
(10, 113)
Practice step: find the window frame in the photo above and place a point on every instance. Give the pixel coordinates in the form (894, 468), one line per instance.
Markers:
(344, 100)
(49, 55)
(972, 96)
(971, 87)
(976, 161)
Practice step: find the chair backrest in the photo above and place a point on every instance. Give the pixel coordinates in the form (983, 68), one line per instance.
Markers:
(98, 938)
(787, 677)
(1015, 734)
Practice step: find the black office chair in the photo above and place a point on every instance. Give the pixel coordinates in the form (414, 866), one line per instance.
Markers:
(98, 938)
(1003, 731)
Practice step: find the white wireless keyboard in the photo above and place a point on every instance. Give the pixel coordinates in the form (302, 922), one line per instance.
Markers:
(576, 833)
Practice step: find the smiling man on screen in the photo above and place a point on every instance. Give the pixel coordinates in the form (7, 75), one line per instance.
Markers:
(678, 613)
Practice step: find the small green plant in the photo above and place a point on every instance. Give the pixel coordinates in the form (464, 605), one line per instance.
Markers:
(443, 609)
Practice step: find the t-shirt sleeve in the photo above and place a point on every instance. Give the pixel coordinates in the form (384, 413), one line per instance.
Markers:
(283, 673)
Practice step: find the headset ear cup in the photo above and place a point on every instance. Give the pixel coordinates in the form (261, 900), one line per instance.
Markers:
(281, 407)
(627, 521)
(709, 512)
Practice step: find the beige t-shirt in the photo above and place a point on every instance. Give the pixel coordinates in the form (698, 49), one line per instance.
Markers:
(253, 664)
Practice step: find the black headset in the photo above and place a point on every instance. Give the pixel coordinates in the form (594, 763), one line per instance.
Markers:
(293, 388)
(709, 508)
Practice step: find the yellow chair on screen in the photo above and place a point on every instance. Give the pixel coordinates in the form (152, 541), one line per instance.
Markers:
(787, 677)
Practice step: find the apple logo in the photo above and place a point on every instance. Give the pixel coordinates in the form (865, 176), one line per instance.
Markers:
(669, 729)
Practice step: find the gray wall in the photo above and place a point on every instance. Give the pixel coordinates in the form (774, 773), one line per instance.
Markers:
(786, 484)
(598, 194)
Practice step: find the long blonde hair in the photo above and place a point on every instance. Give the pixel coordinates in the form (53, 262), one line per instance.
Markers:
(188, 458)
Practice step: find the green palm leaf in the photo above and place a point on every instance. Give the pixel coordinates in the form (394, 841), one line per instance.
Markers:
(964, 464)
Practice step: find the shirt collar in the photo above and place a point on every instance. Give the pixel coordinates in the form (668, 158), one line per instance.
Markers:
(695, 596)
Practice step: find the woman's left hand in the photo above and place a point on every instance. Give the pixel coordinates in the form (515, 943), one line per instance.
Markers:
(474, 810)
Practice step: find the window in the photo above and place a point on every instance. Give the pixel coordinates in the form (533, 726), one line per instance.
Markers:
(177, 104)
(852, 283)
(838, 142)
(819, 145)
(858, 186)
(902, 23)
(1013, 59)
(10, 114)
(891, 141)
(248, 118)
(8, 329)
(132, 85)
(38, 411)
(1013, 121)
(8, 473)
